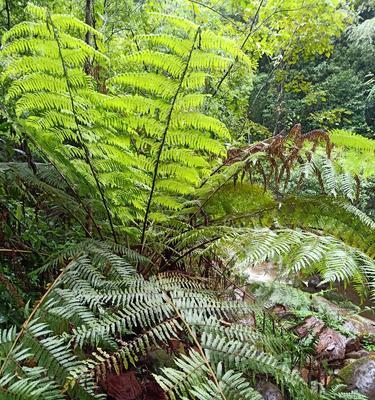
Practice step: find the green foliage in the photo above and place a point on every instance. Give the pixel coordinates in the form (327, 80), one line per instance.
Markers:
(160, 98)
(108, 305)
(356, 152)
(331, 91)
(296, 251)
(116, 318)
(117, 135)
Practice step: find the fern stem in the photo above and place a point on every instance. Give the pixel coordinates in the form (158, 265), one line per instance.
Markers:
(200, 208)
(79, 134)
(31, 316)
(187, 252)
(71, 187)
(229, 161)
(199, 347)
(15, 251)
(161, 147)
(230, 281)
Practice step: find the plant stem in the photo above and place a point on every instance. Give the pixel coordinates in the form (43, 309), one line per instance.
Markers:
(196, 342)
(33, 312)
(79, 134)
(161, 147)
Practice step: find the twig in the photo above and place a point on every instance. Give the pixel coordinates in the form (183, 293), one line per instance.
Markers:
(187, 252)
(217, 12)
(226, 73)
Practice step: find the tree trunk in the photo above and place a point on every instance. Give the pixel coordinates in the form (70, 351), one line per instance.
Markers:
(280, 100)
(7, 10)
(90, 20)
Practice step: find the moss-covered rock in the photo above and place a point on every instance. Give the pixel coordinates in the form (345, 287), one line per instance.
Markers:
(360, 375)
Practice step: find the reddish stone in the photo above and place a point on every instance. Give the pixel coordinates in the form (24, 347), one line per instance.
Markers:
(331, 345)
(310, 325)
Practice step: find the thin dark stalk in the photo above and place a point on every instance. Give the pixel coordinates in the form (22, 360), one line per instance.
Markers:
(227, 72)
(71, 187)
(161, 147)
(198, 346)
(31, 316)
(217, 12)
(79, 134)
(200, 208)
(187, 252)
(7, 9)
(217, 270)
(241, 216)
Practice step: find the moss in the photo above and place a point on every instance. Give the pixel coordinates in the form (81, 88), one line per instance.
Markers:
(346, 374)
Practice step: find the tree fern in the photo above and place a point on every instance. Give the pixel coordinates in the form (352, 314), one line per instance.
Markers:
(151, 126)
(296, 250)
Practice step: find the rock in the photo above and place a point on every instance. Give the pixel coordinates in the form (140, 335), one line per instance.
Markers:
(269, 391)
(360, 326)
(248, 321)
(348, 361)
(279, 310)
(314, 284)
(360, 375)
(311, 325)
(352, 344)
(357, 354)
(355, 324)
(331, 345)
(265, 272)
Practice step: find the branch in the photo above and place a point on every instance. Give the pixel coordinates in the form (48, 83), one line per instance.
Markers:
(199, 347)
(217, 12)
(226, 73)
(187, 252)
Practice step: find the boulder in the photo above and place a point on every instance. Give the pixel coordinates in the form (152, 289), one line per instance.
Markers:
(360, 326)
(360, 376)
(331, 345)
(269, 391)
(353, 344)
(311, 325)
(355, 355)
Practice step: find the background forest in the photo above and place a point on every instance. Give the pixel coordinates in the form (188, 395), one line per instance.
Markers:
(187, 199)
